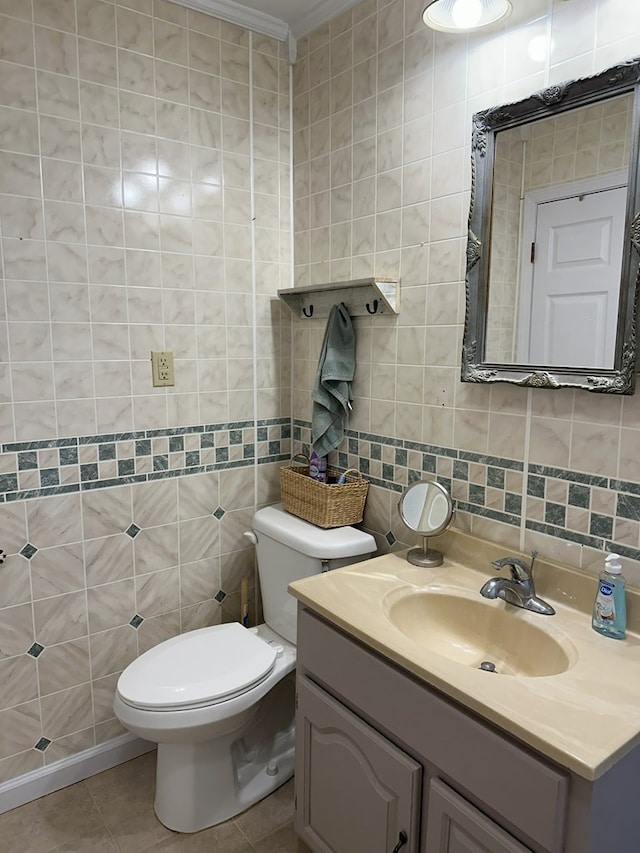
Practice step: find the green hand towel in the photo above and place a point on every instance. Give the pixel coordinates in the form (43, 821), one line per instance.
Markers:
(331, 393)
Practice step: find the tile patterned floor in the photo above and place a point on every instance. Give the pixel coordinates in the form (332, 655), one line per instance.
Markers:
(113, 813)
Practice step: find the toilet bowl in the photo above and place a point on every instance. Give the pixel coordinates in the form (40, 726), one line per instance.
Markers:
(220, 701)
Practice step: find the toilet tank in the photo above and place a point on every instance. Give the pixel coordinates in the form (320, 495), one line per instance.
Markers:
(289, 549)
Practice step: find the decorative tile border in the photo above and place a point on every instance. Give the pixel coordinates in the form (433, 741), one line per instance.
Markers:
(33, 469)
(591, 510)
(599, 512)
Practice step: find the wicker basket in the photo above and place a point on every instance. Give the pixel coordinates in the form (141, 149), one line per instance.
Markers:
(324, 505)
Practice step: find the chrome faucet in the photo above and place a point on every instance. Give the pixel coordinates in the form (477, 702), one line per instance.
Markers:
(519, 589)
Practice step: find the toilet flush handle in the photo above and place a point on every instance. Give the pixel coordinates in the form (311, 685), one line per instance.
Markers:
(251, 536)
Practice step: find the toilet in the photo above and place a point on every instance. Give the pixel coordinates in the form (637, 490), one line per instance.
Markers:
(220, 701)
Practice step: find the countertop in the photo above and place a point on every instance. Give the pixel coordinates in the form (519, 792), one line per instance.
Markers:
(585, 718)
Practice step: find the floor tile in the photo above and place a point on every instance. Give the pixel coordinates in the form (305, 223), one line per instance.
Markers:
(124, 798)
(112, 812)
(269, 814)
(283, 840)
(103, 844)
(67, 817)
(225, 838)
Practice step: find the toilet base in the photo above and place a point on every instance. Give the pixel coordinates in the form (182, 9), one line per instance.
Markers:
(202, 784)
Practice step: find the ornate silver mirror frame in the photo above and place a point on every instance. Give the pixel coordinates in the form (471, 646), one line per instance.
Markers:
(618, 80)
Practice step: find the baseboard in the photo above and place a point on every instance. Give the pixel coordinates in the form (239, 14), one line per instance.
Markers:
(67, 771)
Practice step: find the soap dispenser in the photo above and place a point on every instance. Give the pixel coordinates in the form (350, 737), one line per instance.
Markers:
(609, 608)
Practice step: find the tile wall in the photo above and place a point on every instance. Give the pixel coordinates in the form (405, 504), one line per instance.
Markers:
(382, 129)
(128, 168)
(144, 204)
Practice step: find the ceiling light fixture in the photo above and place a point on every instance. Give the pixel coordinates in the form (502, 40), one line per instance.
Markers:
(456, 16)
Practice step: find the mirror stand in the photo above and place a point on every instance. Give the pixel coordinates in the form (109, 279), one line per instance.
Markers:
(426, 508)
(425, 557)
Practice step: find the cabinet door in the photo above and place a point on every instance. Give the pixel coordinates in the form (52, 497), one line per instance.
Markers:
(455, 826)
(355, 791)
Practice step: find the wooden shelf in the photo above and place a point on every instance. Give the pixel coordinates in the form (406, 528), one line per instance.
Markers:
(364, 297)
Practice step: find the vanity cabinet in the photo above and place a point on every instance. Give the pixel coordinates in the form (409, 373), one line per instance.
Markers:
(375, 787)
(380, 753)
(455, 826)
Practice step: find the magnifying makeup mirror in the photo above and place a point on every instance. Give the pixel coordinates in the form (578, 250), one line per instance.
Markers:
(427, 509)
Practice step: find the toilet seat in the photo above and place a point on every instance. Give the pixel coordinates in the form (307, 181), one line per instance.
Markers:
(197, 669)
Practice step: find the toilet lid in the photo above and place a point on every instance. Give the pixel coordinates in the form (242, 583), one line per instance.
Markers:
(197, 668)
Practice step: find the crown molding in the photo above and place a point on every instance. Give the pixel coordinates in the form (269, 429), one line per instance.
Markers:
(292, 49)
(319, 14)
(237, 13)
(243, 16)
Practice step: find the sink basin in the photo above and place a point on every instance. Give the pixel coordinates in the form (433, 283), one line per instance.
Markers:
(469, 630)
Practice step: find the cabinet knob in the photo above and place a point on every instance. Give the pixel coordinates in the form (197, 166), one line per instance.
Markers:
(402, 840)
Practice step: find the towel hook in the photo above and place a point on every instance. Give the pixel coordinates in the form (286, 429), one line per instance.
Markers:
(375, 307)
(310, 314)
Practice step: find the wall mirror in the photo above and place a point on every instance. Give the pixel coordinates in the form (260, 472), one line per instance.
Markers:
(553, 248)
(427, 509)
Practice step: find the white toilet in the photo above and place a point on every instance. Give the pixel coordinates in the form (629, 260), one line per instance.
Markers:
(219, 701)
